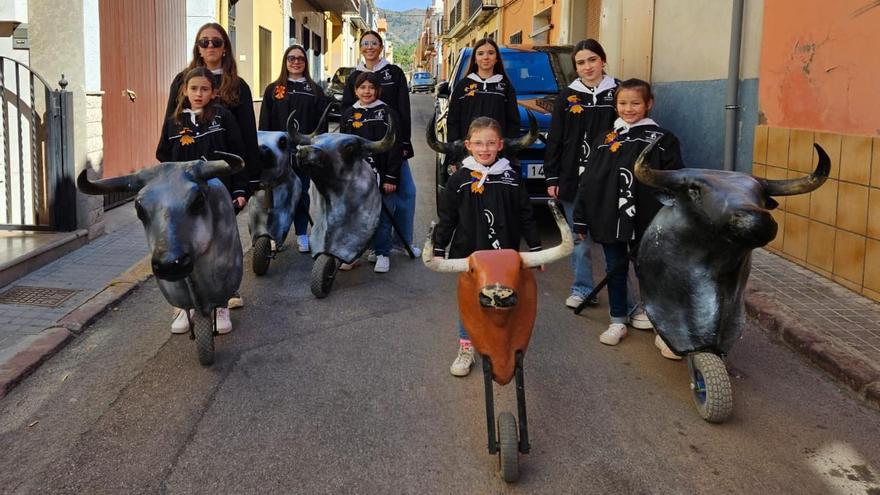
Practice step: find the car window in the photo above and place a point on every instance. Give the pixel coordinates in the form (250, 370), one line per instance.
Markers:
(530, 72)
(341, 75)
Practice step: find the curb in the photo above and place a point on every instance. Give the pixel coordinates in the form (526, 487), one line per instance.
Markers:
(54, 338)
(846, 366)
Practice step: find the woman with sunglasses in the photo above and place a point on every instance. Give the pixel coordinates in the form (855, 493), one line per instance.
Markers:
(213, 51)
(395, 93)
(295, 93)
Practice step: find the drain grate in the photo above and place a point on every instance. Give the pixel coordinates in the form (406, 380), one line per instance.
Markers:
(49, 297)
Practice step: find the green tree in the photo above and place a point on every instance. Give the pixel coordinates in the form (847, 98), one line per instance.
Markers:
(403, 56)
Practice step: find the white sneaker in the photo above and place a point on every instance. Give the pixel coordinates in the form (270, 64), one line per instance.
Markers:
(463, 362)
(235, 301)
(383, 264)
(303, 242)
(224, 324)
(273, 246)
(665, 351)
(371, 256)
(613, 335)
(180, 323)
(574, 301)
(640, 320)
(417, 251)
(348, 266)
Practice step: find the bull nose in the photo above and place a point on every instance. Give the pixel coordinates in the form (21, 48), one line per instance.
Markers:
(497, 296)
(172, 267)
(755, 227)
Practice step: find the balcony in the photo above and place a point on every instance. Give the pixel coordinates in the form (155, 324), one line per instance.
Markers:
(455, 24)
(338, 6)
(481, 10)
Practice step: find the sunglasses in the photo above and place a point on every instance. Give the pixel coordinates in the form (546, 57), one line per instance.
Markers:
(370, 43)
(215, 42)
(295, 58)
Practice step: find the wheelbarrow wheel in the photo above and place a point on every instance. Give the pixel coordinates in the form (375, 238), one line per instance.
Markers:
(710, 387)
(323, 275)
(508, 451)
(262, 255)
(203, 331)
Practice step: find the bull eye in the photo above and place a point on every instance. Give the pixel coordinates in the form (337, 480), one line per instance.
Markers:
(197, 205)
(282, 143)
(141, 212)
(695, 191)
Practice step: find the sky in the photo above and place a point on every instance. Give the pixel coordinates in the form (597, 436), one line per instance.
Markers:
(401, 5)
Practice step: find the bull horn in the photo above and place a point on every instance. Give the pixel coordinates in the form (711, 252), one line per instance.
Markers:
(455, 265)
(789, 187)
(661, 179)
(124, 183)
(565, 247)
(295, 136)
(228, 164)
(385, 143)
(433, 142)
(524, 141)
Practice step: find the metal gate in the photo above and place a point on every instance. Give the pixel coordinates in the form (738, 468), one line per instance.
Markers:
(36, 180)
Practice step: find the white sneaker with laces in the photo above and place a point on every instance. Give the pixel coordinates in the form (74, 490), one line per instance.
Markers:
(614, 334)
(640, 320)
(303, 242)
(235, 301)
(665, 351)
(463, 362)
(180, 323)
(574, 301)
(224, 324)
(371, 256)
(383, 264)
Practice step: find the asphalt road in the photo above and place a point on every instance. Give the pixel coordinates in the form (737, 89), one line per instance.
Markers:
(352, 394)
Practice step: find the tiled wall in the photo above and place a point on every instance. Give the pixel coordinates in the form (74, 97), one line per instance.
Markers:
(835, 230)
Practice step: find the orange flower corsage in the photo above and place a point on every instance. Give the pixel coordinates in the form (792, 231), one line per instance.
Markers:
(471, 90)
(611, 137)
(358, 120)
(186, 138)
(280, 91)
(475, 181)
(574, 104)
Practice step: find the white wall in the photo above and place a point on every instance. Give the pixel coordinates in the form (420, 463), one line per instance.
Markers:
(198, 13)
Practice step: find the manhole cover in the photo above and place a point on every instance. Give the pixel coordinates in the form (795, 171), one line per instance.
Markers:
(36, 296)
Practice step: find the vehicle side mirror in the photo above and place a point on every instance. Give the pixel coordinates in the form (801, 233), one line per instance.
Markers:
(443, 90)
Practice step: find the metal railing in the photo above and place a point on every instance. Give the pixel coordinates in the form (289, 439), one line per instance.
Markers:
(36, 178)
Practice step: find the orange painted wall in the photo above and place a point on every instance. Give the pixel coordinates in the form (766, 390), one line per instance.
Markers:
(517, 17)
(819, 65)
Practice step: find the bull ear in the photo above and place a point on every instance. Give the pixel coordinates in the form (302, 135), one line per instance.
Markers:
(666, 198)
(770, 203)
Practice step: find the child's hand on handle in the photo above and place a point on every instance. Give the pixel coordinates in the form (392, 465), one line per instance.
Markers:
(239, 203)
(581, 237)
(388, 188)
(553, 191)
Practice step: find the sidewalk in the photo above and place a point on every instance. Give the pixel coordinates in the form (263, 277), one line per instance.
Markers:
(835, 328)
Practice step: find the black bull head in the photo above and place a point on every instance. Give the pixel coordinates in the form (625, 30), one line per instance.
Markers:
(349, 205)
(695, 256)
(457, 152)
(190, 226)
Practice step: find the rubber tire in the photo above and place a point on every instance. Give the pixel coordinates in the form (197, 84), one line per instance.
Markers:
(262, 252)
(323, 275)
(715, 402)
(203, 329)
(508, 448)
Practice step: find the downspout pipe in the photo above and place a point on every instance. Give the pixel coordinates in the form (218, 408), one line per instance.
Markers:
(731, 108)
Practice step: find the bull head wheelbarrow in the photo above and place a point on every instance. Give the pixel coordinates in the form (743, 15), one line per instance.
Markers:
(497, 299)
(695, 258)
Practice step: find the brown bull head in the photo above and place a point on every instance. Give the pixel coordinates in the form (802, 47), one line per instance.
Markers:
(497, 296)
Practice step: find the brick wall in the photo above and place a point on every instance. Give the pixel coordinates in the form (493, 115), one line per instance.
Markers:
(835, 230)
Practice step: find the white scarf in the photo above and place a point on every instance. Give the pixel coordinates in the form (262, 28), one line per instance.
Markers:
(193, 114)
(494, 78)
(606, 83)
(621, 127)
(300, 80)
(376, 68)
(498, 167)
(376, 103)
(217, 72)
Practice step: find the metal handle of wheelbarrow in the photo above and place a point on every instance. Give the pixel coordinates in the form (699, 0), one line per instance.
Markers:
(622, 265)
(403, 241)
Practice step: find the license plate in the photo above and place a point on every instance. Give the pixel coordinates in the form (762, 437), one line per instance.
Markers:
(535, 171)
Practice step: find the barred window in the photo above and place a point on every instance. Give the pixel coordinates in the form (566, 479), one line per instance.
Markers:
(516, 38)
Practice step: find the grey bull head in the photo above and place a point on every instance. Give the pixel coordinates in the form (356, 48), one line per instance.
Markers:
(695, 256)
(457, 151)
(190, 226)
(349, 205)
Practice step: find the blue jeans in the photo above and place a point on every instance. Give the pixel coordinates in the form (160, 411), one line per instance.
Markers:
(616, 253)
(581, 262)
(301, 212)
(405, 213)
(462, 333)
(382, 238)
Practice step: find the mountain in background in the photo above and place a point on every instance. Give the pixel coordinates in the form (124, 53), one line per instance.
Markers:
(404, 27)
